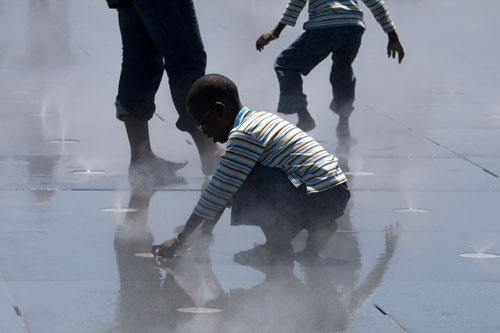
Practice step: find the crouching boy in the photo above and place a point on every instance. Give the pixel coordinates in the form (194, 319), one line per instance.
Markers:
(273, 174)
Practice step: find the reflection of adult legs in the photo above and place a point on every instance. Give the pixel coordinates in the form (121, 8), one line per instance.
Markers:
(299, 59)
(142, 69)
(342, 78)
(173, 28)
(139, 281)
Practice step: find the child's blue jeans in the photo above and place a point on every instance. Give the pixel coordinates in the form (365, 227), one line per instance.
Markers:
(305, 53)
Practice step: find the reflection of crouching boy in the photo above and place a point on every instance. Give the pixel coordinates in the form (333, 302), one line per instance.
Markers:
(276, 176)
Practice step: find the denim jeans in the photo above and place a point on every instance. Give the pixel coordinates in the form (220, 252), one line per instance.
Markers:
(158, 35)
(305, 53)
(268, 199)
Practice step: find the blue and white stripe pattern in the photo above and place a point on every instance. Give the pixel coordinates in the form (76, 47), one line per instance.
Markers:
(263, 137)
(331, 13)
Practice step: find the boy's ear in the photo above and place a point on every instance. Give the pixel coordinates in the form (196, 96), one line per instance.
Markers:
(220, 108)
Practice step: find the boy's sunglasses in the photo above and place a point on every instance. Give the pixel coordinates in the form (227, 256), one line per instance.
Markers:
(199, 124)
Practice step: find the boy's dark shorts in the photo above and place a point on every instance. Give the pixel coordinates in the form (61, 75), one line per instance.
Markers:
(267, 197)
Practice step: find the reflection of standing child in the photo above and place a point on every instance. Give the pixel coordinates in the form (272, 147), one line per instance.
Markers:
(276, 176)
(334, 27)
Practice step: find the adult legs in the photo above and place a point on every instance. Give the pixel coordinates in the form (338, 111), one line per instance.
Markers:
(173, 28)
(307, 51)
(142, 69)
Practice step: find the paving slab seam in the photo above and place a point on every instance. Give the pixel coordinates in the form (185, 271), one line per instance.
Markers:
(435, 142)
(460, 156)
(22, 322)
(402, 157)
(398, 325)
(91, 190)
(352, 189)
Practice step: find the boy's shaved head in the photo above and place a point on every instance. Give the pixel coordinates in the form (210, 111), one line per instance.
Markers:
(212, 88)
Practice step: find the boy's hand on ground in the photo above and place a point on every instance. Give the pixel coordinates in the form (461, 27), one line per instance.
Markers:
(264, 39)
(394, 46)
(166, 249)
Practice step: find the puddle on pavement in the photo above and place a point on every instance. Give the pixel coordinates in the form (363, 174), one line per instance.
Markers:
(89, 172)
(144, 255)
(412, 210)
(200, 310)
(119, 209)
(63, 141)
(475, 255)
(451, 93)
(49, 114)
(358, 173)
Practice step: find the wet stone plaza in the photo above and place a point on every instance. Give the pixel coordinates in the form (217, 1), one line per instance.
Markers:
(417, 249)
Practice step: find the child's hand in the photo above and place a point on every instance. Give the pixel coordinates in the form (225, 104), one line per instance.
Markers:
(264, 39)
(166, 249)
(394, 46)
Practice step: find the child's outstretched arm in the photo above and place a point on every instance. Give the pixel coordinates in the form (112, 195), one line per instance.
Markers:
(381, 14)
(394, 46)
(267, 37)
(242, 153)
(289, 17)
(170, 246)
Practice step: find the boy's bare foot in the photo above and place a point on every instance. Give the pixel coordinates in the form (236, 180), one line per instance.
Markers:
(306, 122)
(210, 152)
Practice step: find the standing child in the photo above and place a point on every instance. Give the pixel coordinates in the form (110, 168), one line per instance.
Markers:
(334, 27)
(275, 176)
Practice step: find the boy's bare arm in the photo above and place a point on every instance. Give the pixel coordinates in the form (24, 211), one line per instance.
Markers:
(170, 246)
(394, 46)
(267, 37)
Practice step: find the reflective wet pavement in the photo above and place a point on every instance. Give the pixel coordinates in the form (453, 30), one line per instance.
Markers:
(427, 131)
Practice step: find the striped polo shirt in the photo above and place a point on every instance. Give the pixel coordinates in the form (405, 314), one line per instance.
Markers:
(331, 13)
(263, 137)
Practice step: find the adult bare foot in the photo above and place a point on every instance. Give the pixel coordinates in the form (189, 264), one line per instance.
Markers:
(157, 164)
(306, 122)
(209, 151)
(148, 171)
(165, 166)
